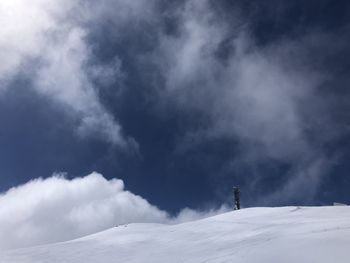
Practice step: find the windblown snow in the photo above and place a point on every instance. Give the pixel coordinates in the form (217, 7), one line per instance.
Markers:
(286, 234)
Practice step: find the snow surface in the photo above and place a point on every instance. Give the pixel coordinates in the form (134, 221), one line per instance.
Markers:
(281, 235)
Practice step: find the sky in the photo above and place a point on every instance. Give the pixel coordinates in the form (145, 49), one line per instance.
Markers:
(178, 101)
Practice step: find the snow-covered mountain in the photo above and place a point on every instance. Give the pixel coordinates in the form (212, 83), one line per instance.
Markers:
(273, 235)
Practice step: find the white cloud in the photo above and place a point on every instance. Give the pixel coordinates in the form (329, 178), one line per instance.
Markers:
(64, 79)
(48, 39)
(56, 209)
(255, 95)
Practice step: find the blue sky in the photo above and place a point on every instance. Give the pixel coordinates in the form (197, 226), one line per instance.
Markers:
(182, 101)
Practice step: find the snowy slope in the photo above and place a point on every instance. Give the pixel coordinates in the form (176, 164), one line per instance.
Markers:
(281, 235)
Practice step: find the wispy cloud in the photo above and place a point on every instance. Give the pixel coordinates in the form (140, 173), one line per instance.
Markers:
(264, 98)
(255, 95)
(48, 39)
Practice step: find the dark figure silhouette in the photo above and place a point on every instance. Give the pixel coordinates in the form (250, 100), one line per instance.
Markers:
(237, 200)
